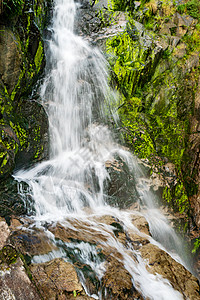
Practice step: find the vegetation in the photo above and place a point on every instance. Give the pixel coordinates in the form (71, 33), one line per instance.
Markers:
(13, 7)
(157, 90)
(191, 8)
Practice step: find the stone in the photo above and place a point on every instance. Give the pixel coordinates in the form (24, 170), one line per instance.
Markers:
(9, 144)
(10, 58)
(159, 262)
(31, 243)
(56, 278)
(79, 232)
(121, 186)
(180, 50)
(118, 281)
(15, 284)
(7, 161)
(38, 140)
(4, 232)
(141, 223)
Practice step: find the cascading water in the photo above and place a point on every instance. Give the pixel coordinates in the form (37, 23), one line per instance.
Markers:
(71, 184)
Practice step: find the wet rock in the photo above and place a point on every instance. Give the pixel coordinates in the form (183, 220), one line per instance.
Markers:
(159, 262)
(80, 231)
(31, 243)
(37, 140)
(14, 282)
(56, 279)
(140, 223)
(10, 201)
(118, 281)
(121, 186)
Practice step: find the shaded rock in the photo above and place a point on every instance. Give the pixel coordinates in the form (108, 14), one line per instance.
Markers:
(35, 147)
(7, 161)
(10, 58)
(14, 282)
(161, 263)
(192, 169)
(10, 201)
(121, 186)
(56, 279)
(9, 144)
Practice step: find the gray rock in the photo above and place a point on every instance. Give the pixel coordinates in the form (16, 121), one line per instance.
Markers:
(15, 284)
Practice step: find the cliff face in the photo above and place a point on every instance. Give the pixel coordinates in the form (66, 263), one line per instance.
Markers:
(155, 66)
(23, 121)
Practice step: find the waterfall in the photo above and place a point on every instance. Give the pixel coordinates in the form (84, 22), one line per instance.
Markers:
(71, 184)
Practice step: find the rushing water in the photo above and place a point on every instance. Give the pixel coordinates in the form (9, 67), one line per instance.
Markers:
(71, 184)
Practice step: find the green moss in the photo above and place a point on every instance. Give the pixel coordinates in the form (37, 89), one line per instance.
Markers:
(176, 197)
(8, 255)
(39, 57)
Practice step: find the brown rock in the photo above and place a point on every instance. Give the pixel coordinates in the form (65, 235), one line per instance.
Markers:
(141, 223)
(81, 231)
(35, 243)
(181, 279)
(15, 284)
(55, 278)
(118, 281)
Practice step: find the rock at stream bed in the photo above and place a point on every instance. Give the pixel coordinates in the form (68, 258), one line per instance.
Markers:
(159, 262)
(57, 279)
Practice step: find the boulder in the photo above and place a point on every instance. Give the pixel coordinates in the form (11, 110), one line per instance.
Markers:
(159, 262)
(118, 281)
(121, 185)
(56, 279)
(14, 282)
(4, 232)
(31, 243)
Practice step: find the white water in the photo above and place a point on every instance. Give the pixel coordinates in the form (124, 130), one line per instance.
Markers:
(71, 184)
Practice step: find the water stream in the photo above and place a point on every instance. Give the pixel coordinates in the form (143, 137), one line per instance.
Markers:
(71, 186)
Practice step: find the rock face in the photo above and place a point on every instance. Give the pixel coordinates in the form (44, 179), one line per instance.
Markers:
(23, 120)
(23, 123)
(154, 62)
(121, 186)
